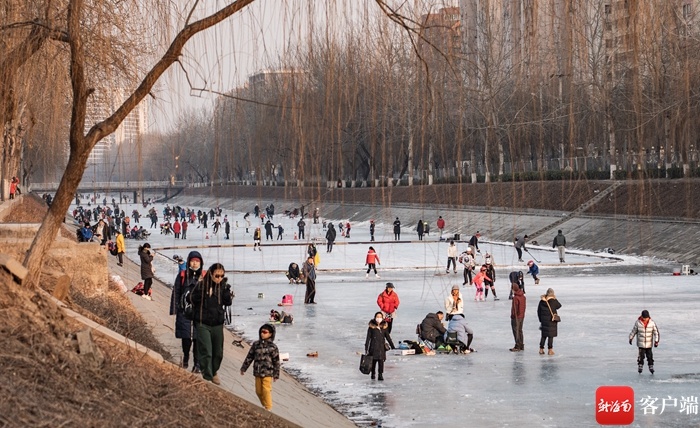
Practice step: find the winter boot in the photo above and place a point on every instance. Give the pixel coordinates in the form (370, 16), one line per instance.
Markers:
(537, 281)
(651, 369)
(541, 351)
(372, 376)
(640, 368)
(550, 352)
(380, 377)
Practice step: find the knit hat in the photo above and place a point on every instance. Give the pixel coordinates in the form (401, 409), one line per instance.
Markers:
(645, 314)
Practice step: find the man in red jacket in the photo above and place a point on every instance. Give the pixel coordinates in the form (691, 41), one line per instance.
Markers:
(440, 225)
(388, 302)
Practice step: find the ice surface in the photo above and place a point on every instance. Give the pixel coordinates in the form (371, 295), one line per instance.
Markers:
(602, 296)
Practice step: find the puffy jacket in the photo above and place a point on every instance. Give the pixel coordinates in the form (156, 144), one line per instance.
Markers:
(372, 258)
(431, 327)
(441, 223)
(388, 303)
(647, 333)
(452, 251)
(264, 355)
(450, 306)
(208, 301)
(331, 234)
(549, 328)
(121, 246)
(184, 279)
(559, 241)
(459, 325)
(377, 335)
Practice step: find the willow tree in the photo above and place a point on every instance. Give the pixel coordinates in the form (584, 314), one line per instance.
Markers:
(76, 25)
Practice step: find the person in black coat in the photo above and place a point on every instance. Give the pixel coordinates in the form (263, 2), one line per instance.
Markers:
(185, 281)
(330, 238)
(547, 326)
(420, 229)
(209, 299)
(432, 329)
(268, 230)
(377, 336)
(397, 229)
(146, 256)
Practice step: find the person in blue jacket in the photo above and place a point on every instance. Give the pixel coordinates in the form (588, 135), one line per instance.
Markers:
(533, 270)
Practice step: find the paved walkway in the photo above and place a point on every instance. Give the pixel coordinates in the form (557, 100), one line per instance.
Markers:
(291, 400)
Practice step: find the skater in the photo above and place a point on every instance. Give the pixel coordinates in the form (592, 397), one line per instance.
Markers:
(227, 228)
(301, 224)
(474, 243)
(121, 248)
(309, 273)
(371, 230)
(397, 229)
(257, 237)
(520, 247)
(146, 255)
(533, 270)
(560, 244)
(330, 238)
(378, 335)
(546, 310)
(451, 257)
(469, 264)
(453, 303)
(479, 283)
(647, 335)
(388, 302)
(316, 216)
(371, 262)
(185, 282)
(265, 357)
(268, 230)
(517, 317)
(247, 221)
(440, 226)
(177, 228)
(347, 230)
(490, 280)
(209, 298)
(420, 230)
(516, 278)
(183, 227)
(280, 231)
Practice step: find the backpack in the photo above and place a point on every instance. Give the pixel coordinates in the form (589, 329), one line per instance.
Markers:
(138, 289)
(185, 303)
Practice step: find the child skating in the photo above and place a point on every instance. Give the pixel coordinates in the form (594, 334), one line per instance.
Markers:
(647, 335)
(371, 262)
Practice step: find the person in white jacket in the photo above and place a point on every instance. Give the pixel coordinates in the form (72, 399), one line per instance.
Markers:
(454, 304)
(647, 335)
(452, 257)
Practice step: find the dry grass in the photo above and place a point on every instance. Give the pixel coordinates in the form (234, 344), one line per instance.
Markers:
(45, 382)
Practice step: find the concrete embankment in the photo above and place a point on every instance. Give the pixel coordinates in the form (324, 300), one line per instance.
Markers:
(668, 239)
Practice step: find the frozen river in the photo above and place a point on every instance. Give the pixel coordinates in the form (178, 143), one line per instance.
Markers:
(601, 296)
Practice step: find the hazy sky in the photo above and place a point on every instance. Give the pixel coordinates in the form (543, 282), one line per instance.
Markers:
(222, 58)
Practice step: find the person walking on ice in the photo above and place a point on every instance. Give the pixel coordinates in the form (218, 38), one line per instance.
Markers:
(452, 257)
(371, 262)
(560, 244)
(265, 357)
(647, 335)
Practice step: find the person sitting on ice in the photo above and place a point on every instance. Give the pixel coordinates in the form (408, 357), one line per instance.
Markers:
(293, 274)
(281, 317)
(465, 335)
(432, 330)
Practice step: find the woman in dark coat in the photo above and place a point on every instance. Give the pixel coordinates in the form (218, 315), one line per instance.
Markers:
(184, 281)
(146, 268)
(377, 334)
(420, 230)
(547, 326)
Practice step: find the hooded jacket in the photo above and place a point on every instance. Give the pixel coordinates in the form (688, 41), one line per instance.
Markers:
(264, 355)
(459, 325)
(647, 333)
(209, 299)
(183, 280)
(517, 309)
(377, 334)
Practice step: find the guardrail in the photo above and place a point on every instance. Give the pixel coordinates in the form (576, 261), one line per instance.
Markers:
(111, 185)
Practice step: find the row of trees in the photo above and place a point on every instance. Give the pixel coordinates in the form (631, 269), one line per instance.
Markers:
(611, 82)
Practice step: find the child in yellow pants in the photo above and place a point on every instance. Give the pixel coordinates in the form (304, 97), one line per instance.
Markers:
(266, 368)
